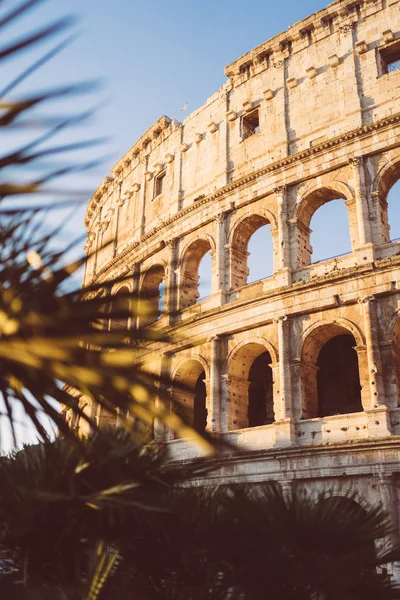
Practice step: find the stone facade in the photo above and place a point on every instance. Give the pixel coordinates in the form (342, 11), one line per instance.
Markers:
(310, 116)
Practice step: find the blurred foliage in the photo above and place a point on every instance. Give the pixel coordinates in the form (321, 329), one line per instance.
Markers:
(61, 508)
(124, 522)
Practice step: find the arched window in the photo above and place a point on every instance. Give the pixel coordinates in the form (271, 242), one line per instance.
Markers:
(205, 271)
(394, 212)
(251, 237)
(330, 235)
(120, 309)
(189, 394)
(250, 388)
(338, 379)
(189, 291)
(199, 404)
(322, 227)
(260, 409)
(151, 295)
(330, 377)
(261, 254)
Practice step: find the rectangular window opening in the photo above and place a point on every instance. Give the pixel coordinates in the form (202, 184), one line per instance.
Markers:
(307, 35)
(287, 46)
(355, 8)
(250, 123)
(328, 23)
(390, 58)
(158, 184)
(245, 70)
(265, 60)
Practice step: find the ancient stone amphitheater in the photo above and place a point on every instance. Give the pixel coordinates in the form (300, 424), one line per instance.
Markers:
(302, 368)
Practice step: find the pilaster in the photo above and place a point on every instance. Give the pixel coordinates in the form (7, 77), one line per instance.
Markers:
(377, 389)
(364, 245)
(283, 249)
(171, 291)
(214, 406)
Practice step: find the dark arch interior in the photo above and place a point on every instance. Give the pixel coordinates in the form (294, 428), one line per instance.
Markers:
(338, 378)
(260, 407)
(347, 515)
(199, 405)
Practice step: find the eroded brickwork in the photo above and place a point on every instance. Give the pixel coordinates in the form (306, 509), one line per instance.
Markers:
(308, 117)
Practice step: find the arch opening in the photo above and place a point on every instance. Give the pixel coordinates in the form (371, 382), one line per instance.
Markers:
(330, 375)
(250, 388)
(190, 394)
(152, 295)
(394, 213)
(120, 309)
(189, 289)
(261, 254)
(260, 410)
(338, 378)
(251, 251)
(387, 196)
(333, 215)
(205, 271)
(199, 404)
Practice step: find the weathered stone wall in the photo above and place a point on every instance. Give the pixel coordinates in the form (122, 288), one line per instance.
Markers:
(326, 126)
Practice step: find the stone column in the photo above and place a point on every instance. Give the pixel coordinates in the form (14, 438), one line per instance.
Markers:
(238, 269)
(135, 293)
(161, 398)
(295, 377)
(364, 247)
(219, 279)
(171, 291)
(364, 376)
(238, 390)
(214, 404)
(378, 414)
(389, 373)
(363, 222)
(285, 400)
(373, 354)
(283, 249)
(380, 216)
(276, 374)
(309, 390)
(284, 422)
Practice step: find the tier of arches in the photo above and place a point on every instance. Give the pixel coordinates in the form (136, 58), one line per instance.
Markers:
(283, 243)
(329, 377)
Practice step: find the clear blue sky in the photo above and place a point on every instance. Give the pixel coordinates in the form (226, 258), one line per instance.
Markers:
(154, 56)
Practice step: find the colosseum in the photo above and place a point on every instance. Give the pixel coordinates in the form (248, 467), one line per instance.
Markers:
(302, 368)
